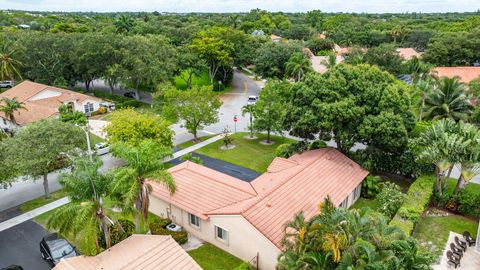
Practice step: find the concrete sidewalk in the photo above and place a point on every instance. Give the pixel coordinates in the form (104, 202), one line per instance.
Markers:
(34, 213)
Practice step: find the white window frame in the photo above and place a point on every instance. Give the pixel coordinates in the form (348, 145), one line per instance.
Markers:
(224, 233)
(190, 216)
(88, 107)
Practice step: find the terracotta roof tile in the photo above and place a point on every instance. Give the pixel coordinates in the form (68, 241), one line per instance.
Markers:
(137, 252)
(466, 74)
(290, 186)
(38, 109)
(408, 53)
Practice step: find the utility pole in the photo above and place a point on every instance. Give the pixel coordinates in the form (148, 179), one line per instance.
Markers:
(87, 133)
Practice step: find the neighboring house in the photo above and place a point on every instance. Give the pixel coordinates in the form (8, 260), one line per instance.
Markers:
(42, 101)
(466, 74)
(146, 252)
(247, 219)
(275, 38)
(408, 53)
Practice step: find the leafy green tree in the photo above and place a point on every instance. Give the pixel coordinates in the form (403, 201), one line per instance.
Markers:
(196, 107)
(351, 104)
(132, 127)
(190, 65)
(269, 109)
(9, 63)
(86, 213)
(298, 65)
(146, 62)
(272, 58)
(215, 51)
(474, 87)
(320, 46)
(8, 106)
(315, 19)
(69, 116)
(448, 100)
(130, 185)
(453, 49)
(390, 199)
(45, 146)
(384, 56)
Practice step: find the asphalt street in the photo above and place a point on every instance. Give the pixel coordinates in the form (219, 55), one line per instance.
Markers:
(19, 245)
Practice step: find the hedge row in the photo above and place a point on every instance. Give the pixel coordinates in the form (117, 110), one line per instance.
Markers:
(418, 197)
(121, 102)
(158, 227)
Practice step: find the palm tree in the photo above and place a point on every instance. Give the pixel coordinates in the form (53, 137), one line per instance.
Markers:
(86, 213)
(250, 109)
(130, 185)
(423, 89)
(469, 158)
(124, 24)
(448, 100)
(298, 65)
(418, 69)
(331, 61)
(9, 65)
(10, 106)
(233, 20)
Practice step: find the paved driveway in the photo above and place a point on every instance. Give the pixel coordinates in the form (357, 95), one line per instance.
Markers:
(20, 245)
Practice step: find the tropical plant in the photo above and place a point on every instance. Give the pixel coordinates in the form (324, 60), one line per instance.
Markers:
(337, 238)
(227, 139)
(331, 60)
(192, 158)
(124, 24)
(86, 213)
(250, 109)
(131, 187)
(297, 66)
(418, 69)
(448, 100)
(9, 63)
(9, 106)
(371, 186)
(390, 199)
(469, 159)
(423, 89)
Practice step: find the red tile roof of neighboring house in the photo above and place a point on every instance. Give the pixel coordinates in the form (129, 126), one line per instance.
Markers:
(39, 109)
(146, 252)
(466, 74)
(289, 186)
(408, 53)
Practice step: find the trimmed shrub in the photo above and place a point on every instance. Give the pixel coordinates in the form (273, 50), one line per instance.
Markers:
(118, 233)
(418, 197)
(284, 150)
(317, 145)
(180, 237)
(287, 150)
(160, 222)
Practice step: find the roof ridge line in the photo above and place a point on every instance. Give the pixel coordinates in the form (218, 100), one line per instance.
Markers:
(280, 185)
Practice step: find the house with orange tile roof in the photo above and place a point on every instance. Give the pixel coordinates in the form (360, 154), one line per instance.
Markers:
(247, 219)
(466, 74)
(408, 53)
(146, 252)
(42, 101)
(275, 38)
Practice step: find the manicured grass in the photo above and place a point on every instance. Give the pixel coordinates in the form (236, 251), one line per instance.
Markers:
(432, 232)
(362, 202)
(209, 257)
(473, 187)
(94, 139)
(247, 153)
(35, 203)
(201, 80)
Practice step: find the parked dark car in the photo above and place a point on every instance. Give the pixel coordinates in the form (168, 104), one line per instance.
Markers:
(53, 248)
(130, 94)
(12, 267)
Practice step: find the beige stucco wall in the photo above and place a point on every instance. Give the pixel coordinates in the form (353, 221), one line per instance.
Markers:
(244, 240)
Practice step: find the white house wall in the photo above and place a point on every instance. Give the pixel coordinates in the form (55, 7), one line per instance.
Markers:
(244, 240)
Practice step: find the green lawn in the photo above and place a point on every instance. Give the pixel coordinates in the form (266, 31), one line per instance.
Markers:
(247, 153)
(35, 203)
(432, 232)
(362, 202)
(201, 80)
(94, 139)
(475, 188)
(209, 257)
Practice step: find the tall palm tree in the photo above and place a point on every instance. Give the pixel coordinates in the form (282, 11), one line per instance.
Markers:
(331, 61)
(418, 69)
(130, 185)
(9, 106)
(298, 65)
(124, 24)
(250, 109)
(422, 90)
(86, 214)
(9, 64)
(448, 100)
(233, 20)
(469, 158)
